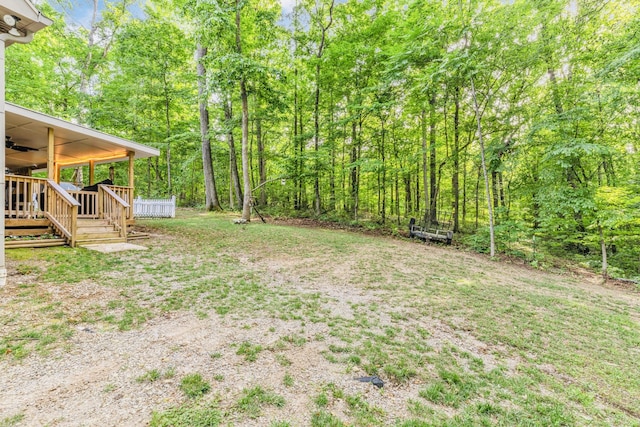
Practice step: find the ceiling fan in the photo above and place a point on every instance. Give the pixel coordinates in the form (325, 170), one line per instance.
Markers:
(8, 143)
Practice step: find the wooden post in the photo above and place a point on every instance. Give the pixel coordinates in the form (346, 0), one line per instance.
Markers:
(132, 156)
(123, 221)
(100, 203)
(51, 160)
(92, 171)
(74, 225)
(51, 169)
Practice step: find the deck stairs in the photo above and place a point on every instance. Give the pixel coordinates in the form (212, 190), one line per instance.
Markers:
(97, 231)
(30, 233)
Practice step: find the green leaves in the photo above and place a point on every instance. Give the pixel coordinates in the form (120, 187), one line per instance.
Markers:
(556, 86)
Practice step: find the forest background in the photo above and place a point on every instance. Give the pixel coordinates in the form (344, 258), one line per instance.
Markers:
(516, 120)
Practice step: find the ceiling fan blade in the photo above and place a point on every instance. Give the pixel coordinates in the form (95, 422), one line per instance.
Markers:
(22, 148)
(8, 143)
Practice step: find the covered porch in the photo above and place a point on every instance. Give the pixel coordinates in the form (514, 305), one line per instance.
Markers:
(99, 211)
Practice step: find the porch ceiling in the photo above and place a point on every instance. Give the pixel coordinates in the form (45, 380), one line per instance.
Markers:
(74, 144)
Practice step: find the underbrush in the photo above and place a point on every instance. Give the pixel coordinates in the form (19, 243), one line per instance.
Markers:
(513, 240)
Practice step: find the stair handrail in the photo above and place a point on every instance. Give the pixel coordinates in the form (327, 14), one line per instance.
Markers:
(126, 194)
(62, 211)
(113, 208)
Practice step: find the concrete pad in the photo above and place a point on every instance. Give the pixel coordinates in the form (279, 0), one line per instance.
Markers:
(115, 247)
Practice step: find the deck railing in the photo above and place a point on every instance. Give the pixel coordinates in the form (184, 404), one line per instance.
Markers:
(113, 208)
(62, 211)
(126, 194)
(25, 197)
(88, 203)
(30, 198)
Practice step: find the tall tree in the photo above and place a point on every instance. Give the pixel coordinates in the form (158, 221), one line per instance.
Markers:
(319, 17)
(235, 189)
(211, 192)
(246, 203)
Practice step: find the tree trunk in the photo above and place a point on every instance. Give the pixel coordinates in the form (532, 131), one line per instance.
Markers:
(417, 198)
(85, 73)
(78, 177)
(603, 247)
(234, 177)
(156, 169)
(316, 114)
(464, 187)
(494, 186)
(246, 203)
(425, 177)
(503, 199)
(296, 161)
(343, 173)
(456, 162)
(148, 177)
(433, 213)
(492, 247)
(477, 198)
(262, 165)
(354, 169)
(332, 144)
(211, 193)
(252, 135)
(316, 136)
(298, 143)
(384, 171)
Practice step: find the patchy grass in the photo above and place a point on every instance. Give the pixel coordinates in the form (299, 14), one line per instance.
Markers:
(155, 375)
(288, 380)
(253, 400)
(463, 340)
(325, 419)
(193, 385)
(193, 415)
(249, 351)
(11, 421)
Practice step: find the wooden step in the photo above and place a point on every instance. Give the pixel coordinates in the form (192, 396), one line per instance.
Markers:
(96, 231)
(34, 243)
(10, 222)
(101, 241)
(92, 222)
(27, 231)
(137, 236)
(94, 228)
(93, 236)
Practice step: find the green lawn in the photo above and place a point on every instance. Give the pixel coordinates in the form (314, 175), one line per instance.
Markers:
(458, 339)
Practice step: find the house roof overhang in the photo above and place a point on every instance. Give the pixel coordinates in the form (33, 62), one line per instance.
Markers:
(74, 145)
(30, 19)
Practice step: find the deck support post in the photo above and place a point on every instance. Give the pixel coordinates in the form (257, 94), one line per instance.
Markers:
(92, 172)
(51, 167)
(132, 156)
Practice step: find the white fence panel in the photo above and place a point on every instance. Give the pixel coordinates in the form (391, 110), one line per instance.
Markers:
(154, 208)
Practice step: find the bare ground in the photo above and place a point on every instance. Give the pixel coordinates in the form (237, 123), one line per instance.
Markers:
(91, 378)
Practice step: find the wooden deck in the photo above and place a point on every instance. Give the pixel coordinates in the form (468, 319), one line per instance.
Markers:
(39, 207)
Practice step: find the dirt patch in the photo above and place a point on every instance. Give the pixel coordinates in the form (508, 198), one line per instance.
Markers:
(95, 383)
(94, 377)
(332, 225)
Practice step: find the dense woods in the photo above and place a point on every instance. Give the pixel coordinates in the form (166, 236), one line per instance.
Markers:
(520, 115)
